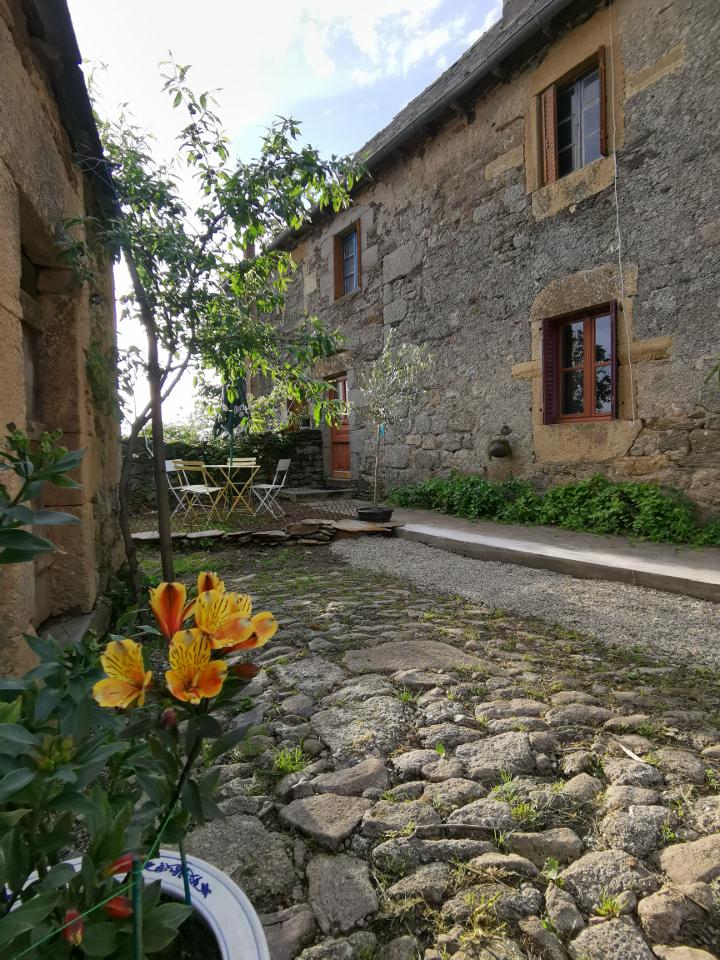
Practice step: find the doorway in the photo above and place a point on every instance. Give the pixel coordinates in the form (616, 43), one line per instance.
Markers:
(340, 433)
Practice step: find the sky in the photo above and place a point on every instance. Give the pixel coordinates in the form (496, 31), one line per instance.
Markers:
(342, 70)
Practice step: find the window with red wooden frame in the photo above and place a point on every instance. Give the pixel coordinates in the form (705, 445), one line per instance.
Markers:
(573, 120)
(346, 261)
(580, 366)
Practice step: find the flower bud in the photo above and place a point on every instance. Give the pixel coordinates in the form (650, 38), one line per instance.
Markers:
(73, 927)
(168, 719)
(245, 671)
(123, 864)
(119, 908)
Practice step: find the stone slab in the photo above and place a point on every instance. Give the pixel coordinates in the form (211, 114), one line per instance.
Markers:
(340, 892)
(408, 655)
(327, 818)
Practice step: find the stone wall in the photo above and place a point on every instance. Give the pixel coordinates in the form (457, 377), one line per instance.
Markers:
(464, 251)
(304, 447)
(56, 332)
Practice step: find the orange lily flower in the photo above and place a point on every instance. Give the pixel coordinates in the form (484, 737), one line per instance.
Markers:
(168, 603)
(209, 581)
(223, 617)
(127, 680)
(193, 675)
(263, 627)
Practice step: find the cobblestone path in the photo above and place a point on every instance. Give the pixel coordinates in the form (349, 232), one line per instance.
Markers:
(434, 778)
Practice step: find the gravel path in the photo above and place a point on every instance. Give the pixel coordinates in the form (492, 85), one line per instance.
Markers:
(669, 624)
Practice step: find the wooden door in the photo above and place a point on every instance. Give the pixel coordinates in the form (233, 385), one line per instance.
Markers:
(340, 434)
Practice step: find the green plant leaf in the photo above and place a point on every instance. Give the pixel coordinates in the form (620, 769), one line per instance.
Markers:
(16, 733)
(53, 518)
(23, 540)
(99, 939)
(25, 917)
(57, 876)
(14, 782)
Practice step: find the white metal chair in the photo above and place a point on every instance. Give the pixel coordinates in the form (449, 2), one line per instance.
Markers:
(194, 493)
(175, 483)
(267, 493)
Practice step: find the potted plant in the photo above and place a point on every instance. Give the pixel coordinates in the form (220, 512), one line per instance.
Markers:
(108, 760)
(390, 385)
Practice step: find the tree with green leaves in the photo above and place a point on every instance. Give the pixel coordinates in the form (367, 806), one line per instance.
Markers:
(205, 281)
(391, 384)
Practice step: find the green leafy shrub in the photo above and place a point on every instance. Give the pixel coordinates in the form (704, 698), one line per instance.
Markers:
(110, 767)
(644, 511)
(33, 465)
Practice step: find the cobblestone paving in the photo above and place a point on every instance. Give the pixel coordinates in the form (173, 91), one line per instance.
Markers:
(434, 778)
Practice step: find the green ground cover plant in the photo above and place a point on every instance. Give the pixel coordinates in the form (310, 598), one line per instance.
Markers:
(645, 511)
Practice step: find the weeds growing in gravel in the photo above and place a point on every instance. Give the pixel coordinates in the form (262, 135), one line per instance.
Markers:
(289, 760)
(608, 907)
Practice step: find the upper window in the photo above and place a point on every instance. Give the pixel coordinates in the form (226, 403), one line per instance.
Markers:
(347, 261)
(573, 121)
(579, 366)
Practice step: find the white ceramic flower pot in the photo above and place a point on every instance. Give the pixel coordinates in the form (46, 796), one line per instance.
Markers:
(218, 900)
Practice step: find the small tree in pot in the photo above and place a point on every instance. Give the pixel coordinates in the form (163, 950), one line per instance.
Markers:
(391, 384)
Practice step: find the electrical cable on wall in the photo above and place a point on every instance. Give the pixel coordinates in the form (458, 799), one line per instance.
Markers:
(618, 230)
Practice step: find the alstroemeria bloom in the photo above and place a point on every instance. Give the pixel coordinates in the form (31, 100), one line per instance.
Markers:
(73, 928)
(209, 581)
(263, 626)
(168, 602)
(193, 675)
(223, 617)
(127, 679)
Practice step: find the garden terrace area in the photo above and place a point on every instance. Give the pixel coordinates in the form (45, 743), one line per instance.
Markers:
(436, 776)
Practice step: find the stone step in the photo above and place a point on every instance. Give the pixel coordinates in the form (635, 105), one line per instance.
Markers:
(692, 572)
(308, 494)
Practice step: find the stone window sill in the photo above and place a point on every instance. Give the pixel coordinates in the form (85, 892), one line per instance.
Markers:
(577, 186)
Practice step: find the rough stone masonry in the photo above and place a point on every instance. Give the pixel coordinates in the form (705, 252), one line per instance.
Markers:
(463, 249)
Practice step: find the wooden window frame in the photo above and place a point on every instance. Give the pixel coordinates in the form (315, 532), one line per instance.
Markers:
(338, 261)
(547, 106)
(552, 368)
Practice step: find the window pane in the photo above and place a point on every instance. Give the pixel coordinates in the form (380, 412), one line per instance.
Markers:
(572, 344)
(591, 86)
(565, 162)
(565, 134)
(349, 245)
(591, 147)
(572, 391)
(603, 342)
(603, 389)
(565, 102)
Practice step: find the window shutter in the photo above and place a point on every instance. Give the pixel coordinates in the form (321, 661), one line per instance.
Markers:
(358, 260)
(614, 366)
(550, 386)
(338, 267)
(603, 103)
(549, 135)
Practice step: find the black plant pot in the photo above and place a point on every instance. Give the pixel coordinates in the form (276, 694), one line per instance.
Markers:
(374, 514)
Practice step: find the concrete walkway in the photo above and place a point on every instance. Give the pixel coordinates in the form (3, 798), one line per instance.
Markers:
(693, 572)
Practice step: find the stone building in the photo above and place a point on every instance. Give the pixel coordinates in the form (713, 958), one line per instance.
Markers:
(488, 229)
(58, 336)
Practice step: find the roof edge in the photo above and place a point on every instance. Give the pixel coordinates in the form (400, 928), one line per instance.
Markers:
(537, 24)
